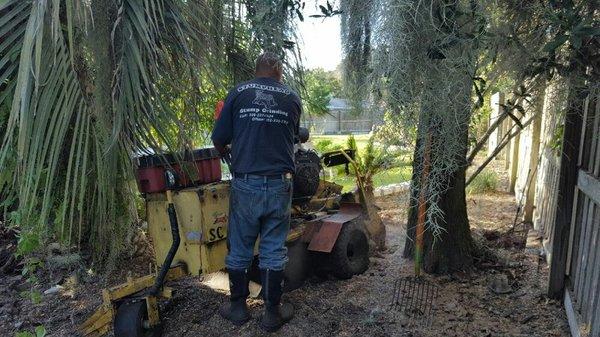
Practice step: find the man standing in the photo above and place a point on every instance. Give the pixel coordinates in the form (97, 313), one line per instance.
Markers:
(257, 127)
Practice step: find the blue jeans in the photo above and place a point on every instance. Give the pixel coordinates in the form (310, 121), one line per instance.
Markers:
(259, 207)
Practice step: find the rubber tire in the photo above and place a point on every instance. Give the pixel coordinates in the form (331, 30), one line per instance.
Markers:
(129, 320)
(298, 267)
(350, 254)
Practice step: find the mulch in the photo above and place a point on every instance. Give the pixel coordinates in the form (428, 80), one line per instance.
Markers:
(467, 304)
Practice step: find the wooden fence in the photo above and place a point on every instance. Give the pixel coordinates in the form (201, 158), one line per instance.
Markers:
(546, 193)
(566, 201)
(546, 197)
(582, 296)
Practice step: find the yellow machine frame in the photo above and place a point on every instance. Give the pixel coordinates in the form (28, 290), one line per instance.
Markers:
(202, 214)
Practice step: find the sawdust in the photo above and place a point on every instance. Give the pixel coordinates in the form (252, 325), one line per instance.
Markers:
(329, 307)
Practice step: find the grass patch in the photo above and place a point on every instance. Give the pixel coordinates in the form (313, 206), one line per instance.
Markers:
(400, 171)
(338, 141)
(485, 182)
(390, 176)
(326, 145)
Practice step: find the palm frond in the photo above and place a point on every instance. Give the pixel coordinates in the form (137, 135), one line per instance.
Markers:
(58, 141)
(44, 92)
(87, 85)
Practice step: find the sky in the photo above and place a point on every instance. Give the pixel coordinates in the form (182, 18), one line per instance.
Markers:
(320, 42)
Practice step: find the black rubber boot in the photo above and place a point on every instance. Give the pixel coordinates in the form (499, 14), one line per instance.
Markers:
(276, 314)
(236, 310)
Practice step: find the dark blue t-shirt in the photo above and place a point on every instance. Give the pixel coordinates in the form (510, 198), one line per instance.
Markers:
(260, 119)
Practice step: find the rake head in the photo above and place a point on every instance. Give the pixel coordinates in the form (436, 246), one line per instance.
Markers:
(415, 297)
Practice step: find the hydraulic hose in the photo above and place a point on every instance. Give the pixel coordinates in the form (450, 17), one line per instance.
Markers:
(160, 278)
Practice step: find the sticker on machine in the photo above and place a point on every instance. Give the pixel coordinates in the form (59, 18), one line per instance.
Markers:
(193, 236)
(219, 227)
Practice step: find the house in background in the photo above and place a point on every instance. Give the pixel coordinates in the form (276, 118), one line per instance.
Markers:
(341, 119)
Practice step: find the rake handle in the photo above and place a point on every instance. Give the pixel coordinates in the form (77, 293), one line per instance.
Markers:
(422, 208)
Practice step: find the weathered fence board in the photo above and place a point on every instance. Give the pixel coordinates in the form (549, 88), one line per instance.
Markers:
(589, 185)
(591, 283)
(582, 298)
(585, 270)
(546, 197)
(546, 187)
(584, 254)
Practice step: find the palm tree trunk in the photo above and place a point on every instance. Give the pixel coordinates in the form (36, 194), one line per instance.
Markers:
(102, 58)
(110, 193)
(374, 225)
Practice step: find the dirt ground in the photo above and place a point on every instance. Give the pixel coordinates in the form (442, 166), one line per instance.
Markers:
(467, 304)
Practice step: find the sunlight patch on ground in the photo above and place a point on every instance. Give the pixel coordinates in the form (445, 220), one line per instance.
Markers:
(219, 281)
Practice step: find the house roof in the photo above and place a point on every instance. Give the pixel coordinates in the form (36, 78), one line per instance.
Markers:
(338, 104)
(342, 104)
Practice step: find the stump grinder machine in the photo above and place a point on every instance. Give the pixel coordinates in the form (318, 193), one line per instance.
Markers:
(187, 206)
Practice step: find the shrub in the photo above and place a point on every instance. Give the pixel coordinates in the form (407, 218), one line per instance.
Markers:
(351, 143)
(485, 182)
(326, 145)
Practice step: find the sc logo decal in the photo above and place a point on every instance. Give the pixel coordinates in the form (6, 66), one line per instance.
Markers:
(216, 233)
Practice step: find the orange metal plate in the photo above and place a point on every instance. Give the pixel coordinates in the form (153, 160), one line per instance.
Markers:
(326, 234)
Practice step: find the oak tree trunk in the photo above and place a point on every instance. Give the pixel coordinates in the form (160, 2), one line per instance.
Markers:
(452, 250)
(444, 121)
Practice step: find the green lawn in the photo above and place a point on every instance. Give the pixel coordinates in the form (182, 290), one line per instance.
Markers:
(401, 170)
(391, 176)
(340, 140)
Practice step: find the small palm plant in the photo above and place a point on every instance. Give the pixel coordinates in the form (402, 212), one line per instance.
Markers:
(365, 166)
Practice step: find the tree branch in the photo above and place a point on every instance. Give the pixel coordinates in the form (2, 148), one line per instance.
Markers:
(499, 148)
(485, 137)
(507, 111)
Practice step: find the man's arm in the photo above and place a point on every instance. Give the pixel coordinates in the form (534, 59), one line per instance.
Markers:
(223, 131)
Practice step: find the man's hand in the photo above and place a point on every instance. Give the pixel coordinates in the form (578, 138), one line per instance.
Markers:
(225, 152)
(223, 149)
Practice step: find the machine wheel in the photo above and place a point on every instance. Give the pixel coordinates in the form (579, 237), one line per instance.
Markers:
(297, 269)
(130, 318)
(350, 254)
